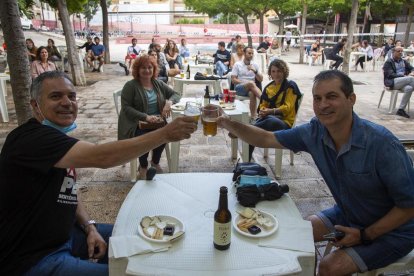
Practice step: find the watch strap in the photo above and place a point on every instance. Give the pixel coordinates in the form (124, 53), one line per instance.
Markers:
(85, 225)
(363, 237)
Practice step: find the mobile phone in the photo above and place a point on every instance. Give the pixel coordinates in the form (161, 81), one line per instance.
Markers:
(334, 236)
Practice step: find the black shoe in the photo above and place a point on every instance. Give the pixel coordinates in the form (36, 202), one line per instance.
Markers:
(126, 72)
(151, 172)
(215, 71)
(402, 113)
(95, 70)
(123, 65)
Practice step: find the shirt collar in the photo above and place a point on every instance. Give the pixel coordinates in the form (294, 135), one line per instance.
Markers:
(358, 136)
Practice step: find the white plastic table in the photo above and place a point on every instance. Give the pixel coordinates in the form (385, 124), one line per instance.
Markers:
(3, 93)
(193, 198)
(179, 84)
(240, 114)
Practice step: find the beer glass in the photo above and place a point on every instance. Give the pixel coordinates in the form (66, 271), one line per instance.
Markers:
(209, 117)
(193, 109)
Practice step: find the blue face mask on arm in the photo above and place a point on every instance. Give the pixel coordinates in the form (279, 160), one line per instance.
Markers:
(65, 129)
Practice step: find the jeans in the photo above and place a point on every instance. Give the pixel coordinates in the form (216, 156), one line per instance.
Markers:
(269, 123)
(338, 60)
(221, 68)
(72, 257)
(406, 84)
(156, 153)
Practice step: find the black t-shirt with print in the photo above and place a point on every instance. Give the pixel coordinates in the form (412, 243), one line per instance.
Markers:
(222, 56)
(37, 201)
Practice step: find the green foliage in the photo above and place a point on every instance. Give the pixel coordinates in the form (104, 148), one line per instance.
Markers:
(386, 8)
(190, 21)
(74, 6)
(227, 19)
(90, 9)
(25, 8)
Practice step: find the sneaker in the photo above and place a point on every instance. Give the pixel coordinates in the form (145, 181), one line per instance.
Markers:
(402, 113)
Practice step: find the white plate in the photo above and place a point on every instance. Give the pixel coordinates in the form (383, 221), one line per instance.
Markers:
(179, 226)
(178, 107)
(264, 232)
(228, 107)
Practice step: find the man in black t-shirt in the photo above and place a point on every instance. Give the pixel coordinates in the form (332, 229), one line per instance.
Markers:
(264, 45)
(222, 59)
(334, 53)
(44, 230)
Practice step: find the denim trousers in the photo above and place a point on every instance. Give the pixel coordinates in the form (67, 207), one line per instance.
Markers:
(406, 84)
(269, 123)
(221, 68)
(72, 257)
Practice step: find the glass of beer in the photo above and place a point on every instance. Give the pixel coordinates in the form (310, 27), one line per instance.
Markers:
(209, 117)
(182, 74)
(193, 109)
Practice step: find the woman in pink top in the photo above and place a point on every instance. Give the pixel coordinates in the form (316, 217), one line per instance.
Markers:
(41, 64)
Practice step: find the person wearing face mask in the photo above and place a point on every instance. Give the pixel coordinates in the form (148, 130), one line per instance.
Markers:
(44, 229)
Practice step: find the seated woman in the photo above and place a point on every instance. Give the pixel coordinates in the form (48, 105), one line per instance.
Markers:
(31, 50)
(273, 52)
(172, 54)
(277, 103)
(41, 64)
(315, 51)
(54, 54)
(365, 48)
(147, 100)
(164, 70)
(238, 55)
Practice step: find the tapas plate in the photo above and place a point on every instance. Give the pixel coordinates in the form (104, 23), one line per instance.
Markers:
(265, 232)
(162, 222)
(178, 107)
(228, 107)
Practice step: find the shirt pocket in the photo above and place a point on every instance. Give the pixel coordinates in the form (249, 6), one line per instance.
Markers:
(362, 184)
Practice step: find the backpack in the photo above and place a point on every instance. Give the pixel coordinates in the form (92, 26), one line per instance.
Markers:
(283, 88)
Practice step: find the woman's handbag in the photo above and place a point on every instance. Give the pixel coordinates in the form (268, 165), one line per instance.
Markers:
(147, 125)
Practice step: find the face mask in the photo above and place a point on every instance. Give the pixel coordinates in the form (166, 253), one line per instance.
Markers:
(65, 129)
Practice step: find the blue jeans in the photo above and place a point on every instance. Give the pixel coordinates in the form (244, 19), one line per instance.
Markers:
(72, 257)
(269, 123)
(221, 68)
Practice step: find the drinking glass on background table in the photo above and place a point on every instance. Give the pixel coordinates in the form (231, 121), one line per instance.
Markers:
(193, 109)
(209, 117)
(182, 74)
(232, 96)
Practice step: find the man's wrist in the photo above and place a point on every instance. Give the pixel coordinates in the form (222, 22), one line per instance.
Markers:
(88, 226)
(363, 238)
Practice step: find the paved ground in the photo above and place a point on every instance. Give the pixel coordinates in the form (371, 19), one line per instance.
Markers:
(104, 190)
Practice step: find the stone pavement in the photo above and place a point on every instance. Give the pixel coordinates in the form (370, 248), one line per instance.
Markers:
(104, 190)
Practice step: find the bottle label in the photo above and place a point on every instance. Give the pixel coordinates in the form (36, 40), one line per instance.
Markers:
(222, 233)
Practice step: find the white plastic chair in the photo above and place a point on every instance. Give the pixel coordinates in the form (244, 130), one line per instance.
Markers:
(279, 152)
(327, 62)
(133, 164)
(393, 98)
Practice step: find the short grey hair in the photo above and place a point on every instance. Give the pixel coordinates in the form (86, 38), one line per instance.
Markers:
(36, 87)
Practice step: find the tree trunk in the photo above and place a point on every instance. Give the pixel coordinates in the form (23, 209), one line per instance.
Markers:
(246, 25)
(303, 32)
(261, 26)
(351, 30)
(78, 76)
(18, 62)
(280, 32)
(381, 30)
(407, 30)
(105, 30)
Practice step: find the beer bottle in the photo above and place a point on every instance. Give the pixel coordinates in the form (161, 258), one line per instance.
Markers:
(206, 97)
(222, 222)
(188, 72)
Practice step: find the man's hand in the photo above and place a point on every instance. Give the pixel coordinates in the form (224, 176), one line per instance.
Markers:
(179, 129)
(352, 236)
(251, 68)
(152, 119)
(95, 243)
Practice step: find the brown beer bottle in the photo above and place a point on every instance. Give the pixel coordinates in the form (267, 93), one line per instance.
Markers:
(188, 72)
(222, 223)
(206, 100)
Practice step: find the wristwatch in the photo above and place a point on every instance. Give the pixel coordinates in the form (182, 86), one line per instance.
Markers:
(363, 237)
(85, 225)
